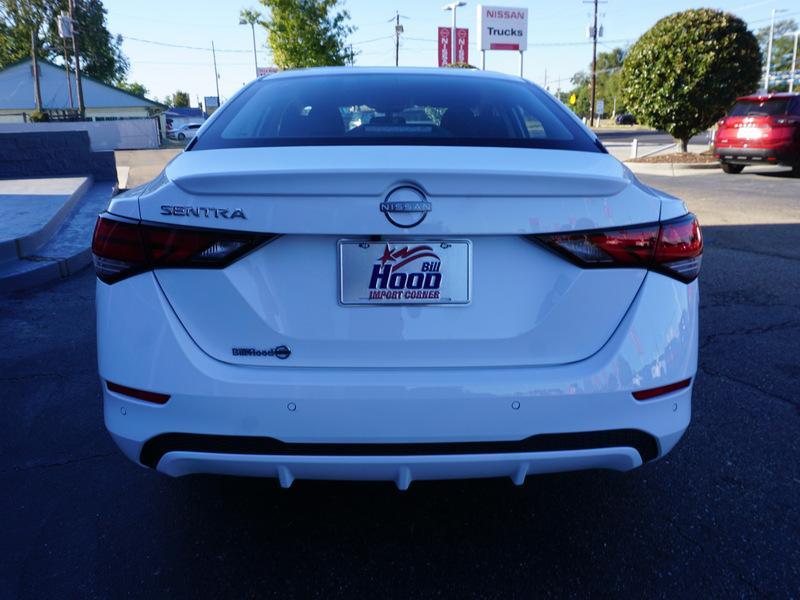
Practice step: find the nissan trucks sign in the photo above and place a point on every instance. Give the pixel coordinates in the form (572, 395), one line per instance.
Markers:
(502, 28)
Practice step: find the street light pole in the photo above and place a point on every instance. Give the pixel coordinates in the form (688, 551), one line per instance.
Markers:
(769, 52)
(594, 66)
(453, 6)
(769, 47)
(794, 61)
(255, 55)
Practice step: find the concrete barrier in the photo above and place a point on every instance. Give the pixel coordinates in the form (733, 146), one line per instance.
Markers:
(53, 154)
(105, 136)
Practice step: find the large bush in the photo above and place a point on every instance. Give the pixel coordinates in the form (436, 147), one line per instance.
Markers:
(686, 71)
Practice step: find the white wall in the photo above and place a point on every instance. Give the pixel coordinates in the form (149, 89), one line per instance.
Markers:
(126, 134)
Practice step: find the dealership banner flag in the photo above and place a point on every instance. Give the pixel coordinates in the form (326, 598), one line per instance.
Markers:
(444, 46)
(462, 45)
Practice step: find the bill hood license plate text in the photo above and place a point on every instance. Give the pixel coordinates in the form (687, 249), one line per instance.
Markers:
(404, 272)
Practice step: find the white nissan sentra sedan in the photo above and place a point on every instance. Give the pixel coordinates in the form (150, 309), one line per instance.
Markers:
(395, 274)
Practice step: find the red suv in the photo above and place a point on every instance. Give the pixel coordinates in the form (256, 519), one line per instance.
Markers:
(760, 130)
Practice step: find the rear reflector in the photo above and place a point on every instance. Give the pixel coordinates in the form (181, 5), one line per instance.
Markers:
(138, 394)
(125, 248)
(660, 391)
(674, 248)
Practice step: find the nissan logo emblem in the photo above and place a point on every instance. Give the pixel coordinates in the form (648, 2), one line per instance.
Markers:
(405, 207)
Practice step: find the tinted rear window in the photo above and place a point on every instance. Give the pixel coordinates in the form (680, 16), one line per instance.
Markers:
(377, 109)
(753, 108)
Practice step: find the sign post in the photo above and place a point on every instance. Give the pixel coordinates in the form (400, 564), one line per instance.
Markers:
(600, 107)
(502, 28)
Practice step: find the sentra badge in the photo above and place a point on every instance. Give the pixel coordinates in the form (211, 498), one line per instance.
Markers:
(209, 212)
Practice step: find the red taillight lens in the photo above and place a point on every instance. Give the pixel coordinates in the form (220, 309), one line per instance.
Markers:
(125, 248)
(118, 249)
(632, 247)
(153, 397)
(673, 247)
(680, 248)
(660, 391)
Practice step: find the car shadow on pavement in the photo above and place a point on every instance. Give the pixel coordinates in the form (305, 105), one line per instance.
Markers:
(777, 172)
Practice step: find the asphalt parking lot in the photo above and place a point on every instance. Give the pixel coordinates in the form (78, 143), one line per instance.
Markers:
(719, 517)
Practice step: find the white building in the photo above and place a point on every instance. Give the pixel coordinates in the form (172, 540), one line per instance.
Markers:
(103, 102)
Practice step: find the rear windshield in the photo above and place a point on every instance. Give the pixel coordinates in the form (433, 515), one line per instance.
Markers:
(754, 108)
(403, 109)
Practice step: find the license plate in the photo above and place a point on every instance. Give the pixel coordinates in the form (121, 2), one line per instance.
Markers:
(748, 133)
(405, 272)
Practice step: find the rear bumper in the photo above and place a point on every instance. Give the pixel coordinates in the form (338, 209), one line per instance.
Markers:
(394, 424)
(400, 469)
(783, 155)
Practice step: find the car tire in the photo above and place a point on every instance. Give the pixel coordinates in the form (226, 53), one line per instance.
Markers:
(732, 169)
(796, 170)
(181, 136)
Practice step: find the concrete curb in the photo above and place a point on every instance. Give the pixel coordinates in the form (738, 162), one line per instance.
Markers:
(67, 253)
(674, 169)
(28, 244)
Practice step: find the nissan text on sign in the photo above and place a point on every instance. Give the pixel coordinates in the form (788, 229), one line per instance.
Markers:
(502, 28)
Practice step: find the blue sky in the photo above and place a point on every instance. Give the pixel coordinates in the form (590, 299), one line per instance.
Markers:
(556, 36)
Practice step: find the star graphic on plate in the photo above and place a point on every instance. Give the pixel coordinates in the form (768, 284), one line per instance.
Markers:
(387, 255)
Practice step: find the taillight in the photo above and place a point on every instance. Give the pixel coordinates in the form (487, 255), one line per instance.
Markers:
(125, 248)
(674, 248)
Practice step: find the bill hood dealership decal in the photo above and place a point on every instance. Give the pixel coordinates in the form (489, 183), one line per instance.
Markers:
(421, 280)
(404, 272)
(281, 352)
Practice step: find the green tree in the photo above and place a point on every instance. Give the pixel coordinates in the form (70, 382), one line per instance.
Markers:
(685, 71)
(782, 48)
(101, 52)
(609, 65)
(133, 87)
(308, 33)
(249, 16)
(179, 100)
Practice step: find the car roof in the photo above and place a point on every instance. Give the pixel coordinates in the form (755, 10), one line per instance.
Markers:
(438, 71)
(765, 97)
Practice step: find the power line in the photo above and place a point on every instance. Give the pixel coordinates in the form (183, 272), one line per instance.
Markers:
(167, 44)
(378, 39)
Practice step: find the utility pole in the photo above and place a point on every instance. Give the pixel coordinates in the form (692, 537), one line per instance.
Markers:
(398, 29)
(37, 90)
(76, 52)
(594, 65)
(216, 75)
(65, 31)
